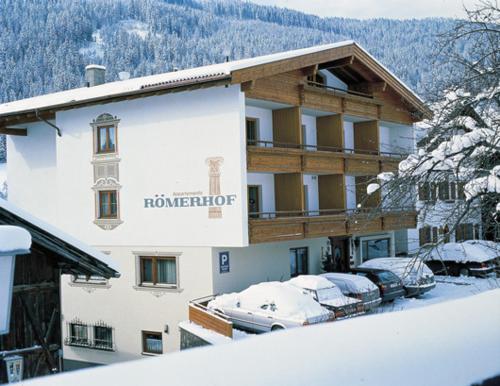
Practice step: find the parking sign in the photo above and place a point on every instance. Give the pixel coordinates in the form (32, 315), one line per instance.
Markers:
(223, 262)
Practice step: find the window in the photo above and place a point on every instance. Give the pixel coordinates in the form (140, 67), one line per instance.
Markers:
(78, 334)
(424, 192)
(460, 191)
(106, 139)
(254, 197)
(444, 191)
(252, 131)
(453, 191)
(108, 204)
(158, 270)
(434, 235)
(477, 234)
(97, 336)
(424, 235)
(464, 232)
(103, 337)
(372, 249)
(299, 261)
(152, 342)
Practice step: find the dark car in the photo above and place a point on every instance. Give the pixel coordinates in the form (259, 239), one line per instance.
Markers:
(467, 258)
(390, 286)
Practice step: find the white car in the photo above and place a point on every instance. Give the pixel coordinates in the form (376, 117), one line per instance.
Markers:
(329, 295)
(270, 306)
(417, 278)
(356, 286)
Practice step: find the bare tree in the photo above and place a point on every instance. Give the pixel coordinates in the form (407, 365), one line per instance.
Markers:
(461, 143)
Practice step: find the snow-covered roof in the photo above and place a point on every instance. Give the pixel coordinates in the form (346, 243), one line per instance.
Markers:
(290, 302)
(450, 343)
(311, 282)
(110, 265)
(170, 79)
(349, 282)
(468, 251)
(14, 240)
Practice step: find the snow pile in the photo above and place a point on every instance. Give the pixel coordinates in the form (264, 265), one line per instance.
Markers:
(468, 251)
(311, 282)
(409, 270)
(481, 185)
(452, 343)
(289, 302)
(15, 240)
(351, 283)
(372, 188)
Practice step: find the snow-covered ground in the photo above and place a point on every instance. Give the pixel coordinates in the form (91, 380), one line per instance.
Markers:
(447, 288)
(452, 343)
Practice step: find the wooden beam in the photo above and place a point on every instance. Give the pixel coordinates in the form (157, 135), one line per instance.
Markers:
(369, 87)
(247, 86)
(337, 63)
(19, 131)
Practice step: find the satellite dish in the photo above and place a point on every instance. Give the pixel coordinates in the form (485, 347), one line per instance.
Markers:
(124, 75)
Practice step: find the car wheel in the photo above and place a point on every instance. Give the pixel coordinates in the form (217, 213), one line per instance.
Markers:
(464, 272)
(277, 327)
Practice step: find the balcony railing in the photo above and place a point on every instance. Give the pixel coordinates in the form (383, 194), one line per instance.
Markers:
(296, 225)
(339, 91)
(276, 144)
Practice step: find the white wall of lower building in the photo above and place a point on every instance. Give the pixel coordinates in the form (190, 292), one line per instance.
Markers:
(348, 135)
(310, 131)
(350, 186)
(130, 309)
(311, 184)
(262, 262)
(396, 138)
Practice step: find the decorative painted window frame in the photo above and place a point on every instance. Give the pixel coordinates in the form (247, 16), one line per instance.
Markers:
(106, 171)
(156, 289)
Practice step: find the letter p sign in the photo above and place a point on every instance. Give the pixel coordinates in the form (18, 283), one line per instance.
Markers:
(223, 262)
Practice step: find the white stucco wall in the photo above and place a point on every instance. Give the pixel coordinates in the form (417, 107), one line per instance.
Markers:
(162, 151)
(266, 182)
(311, 182)
(130, 311)
(262, 262)
(264, 121)
(31, 171)
(396, 138)
(350, 186)
(348, 135)
(310, 131)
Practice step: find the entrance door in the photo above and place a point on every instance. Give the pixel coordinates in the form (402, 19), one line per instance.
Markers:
(340, 254)
(253, 201)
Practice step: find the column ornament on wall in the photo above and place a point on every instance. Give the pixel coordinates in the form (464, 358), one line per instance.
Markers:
(214, 172)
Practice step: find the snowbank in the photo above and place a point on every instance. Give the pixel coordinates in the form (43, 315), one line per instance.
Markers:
(290, 302)
(408, 348)
(15, 240)
(468, 251)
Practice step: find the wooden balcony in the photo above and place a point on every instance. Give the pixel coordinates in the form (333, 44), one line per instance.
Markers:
(283, 226)
(273, 157)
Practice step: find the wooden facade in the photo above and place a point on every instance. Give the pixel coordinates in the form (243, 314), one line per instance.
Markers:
(326, 225)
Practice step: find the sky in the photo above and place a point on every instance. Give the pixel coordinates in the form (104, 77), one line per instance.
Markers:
(366, 9)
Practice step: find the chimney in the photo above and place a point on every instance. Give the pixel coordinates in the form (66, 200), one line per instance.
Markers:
(94, 75)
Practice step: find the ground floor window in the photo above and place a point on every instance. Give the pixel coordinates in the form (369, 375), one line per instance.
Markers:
(372, 249)
(152, 342)
(103, 337)
(78, 334)
(464, 232)
(158, 270)
(96, 336)
(299, 261)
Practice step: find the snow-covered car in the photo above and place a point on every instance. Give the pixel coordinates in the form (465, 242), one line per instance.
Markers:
(357, 287)
(417, 278)
(270, 306)
(390, 286)
(329, 295)
(468, 258)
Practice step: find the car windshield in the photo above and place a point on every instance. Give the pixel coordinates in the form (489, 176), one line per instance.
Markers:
(328, 293)
(387, 276)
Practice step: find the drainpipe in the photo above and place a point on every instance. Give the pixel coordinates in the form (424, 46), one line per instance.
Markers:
(40, 118)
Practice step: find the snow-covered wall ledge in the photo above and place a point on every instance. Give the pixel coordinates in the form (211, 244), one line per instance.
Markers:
(453, 343)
